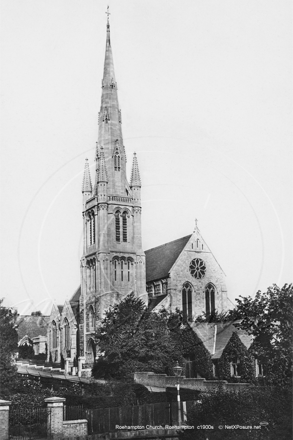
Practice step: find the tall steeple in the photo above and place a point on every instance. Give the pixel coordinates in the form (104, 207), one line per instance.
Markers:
(113, 261)
(110, 132)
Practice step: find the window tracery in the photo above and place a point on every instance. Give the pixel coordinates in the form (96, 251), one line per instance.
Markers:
(187, 301)
(210, 291)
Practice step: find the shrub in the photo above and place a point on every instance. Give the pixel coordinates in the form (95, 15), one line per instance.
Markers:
(246, 408)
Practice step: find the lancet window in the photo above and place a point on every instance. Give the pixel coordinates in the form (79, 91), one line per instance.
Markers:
(124, 226)
(187, 301)
(54, 334)
(117, 225)
(66, 334)
(117, 161)
(92, 228)
(210, 298)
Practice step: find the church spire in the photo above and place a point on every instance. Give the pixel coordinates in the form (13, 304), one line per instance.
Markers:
(135, 176)
(86, 183)
(110, 131)
(109, 74)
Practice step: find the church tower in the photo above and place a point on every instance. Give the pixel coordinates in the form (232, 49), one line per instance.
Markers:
(113, 262)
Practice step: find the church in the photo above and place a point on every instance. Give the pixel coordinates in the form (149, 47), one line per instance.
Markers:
(180, 274)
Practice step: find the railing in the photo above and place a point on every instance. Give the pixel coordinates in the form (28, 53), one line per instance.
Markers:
(101, 420)
(120, 199)
(28, 422)
(73, 412)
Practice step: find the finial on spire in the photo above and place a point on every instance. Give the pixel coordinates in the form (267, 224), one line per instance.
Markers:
(195, 225)
(108, 13)
(86, 183)
(135, 177)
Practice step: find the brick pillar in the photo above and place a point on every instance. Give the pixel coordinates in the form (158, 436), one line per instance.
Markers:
(4, 419)
(55, 416)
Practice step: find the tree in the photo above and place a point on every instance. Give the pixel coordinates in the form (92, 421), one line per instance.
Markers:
(8, 344)
(26, 350)
(132, 338)
(190, 345)
(269, 319)
(235, 351)
(37, 313)
(244, 409)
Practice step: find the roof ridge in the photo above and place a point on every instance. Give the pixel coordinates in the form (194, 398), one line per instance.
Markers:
(172, 241)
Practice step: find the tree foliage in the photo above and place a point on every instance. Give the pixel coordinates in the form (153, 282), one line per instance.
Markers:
(190, 345)
(8, 345)
(269, 319)
(132, 338)
(246, 408)
(236, 350)
(26, 351)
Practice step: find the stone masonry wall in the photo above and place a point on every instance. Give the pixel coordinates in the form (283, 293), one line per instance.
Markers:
(214, 274)
(163, 381)
(75, 428)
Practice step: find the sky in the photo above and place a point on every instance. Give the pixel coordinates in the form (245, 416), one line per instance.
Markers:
(205, 89)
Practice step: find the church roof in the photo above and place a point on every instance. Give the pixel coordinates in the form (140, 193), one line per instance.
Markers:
(159, 260)
(75, 297)
(224, 331)
(31, 326)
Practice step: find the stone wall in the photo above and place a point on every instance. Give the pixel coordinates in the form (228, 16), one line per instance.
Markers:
(74, 428)
(162, 381)
(4, 419)
(197, 248)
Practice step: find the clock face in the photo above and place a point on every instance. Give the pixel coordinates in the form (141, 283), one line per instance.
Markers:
(197, 268)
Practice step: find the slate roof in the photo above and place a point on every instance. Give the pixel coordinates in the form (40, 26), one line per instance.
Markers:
(31, 326)
(76, 295)
(155, 300)
(159, 260)
(206, 332)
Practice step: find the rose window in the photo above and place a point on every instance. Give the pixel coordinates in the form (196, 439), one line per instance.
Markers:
(197, 268)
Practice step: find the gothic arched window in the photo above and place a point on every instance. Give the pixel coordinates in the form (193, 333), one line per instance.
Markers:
(117, 225)
(93, 229)
(66, 334)
(117, 161)
(122, 267)
(115, 270)
(54, 334)
(210, 298)
(187, 301)
(128, 270)
(124, 226)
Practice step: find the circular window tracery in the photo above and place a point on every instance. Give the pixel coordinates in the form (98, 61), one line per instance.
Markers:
(197, 268)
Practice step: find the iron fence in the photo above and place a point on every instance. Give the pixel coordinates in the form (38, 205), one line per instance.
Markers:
(28, 422)
(101, 420)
